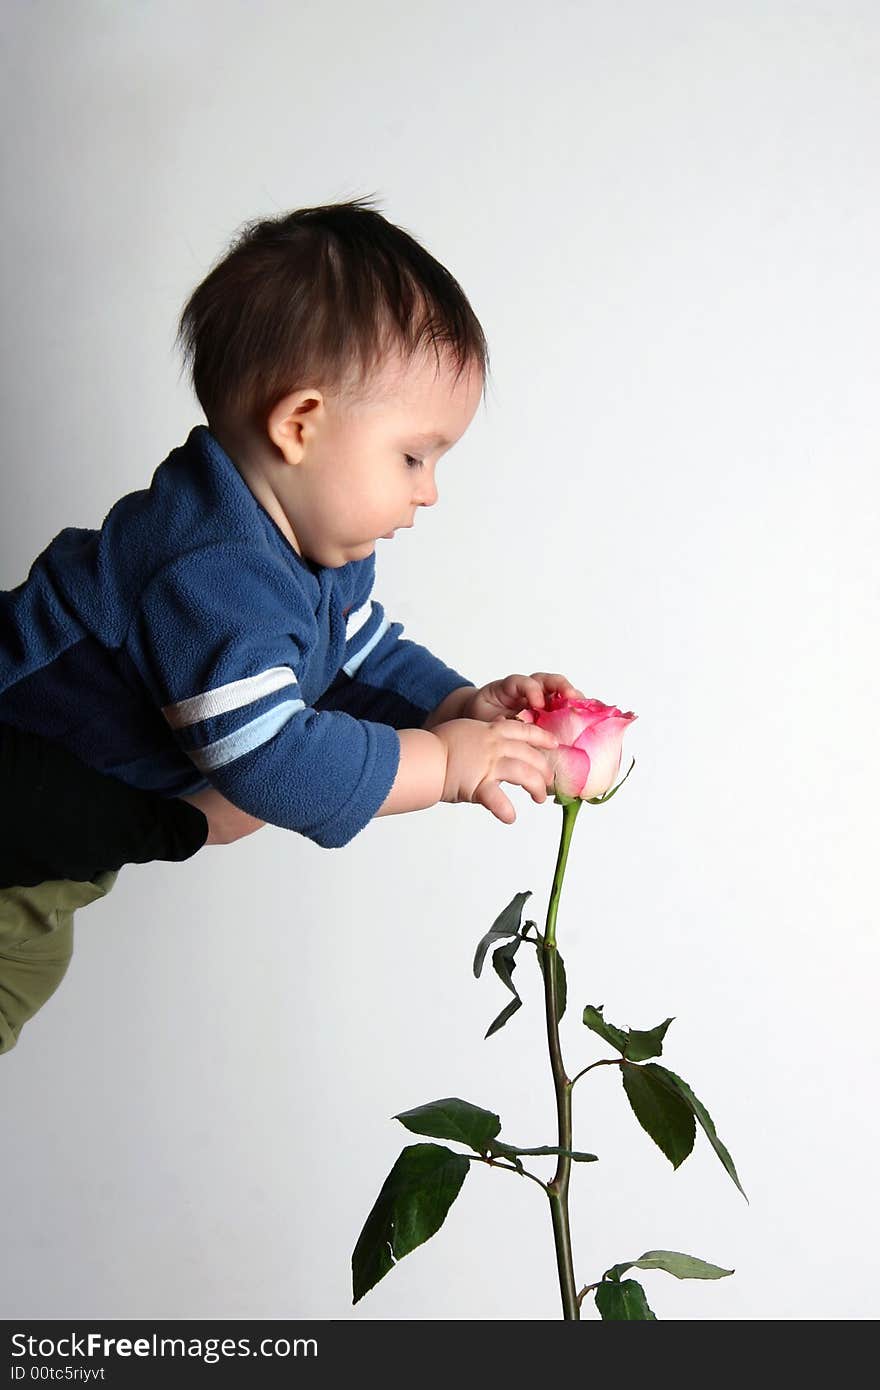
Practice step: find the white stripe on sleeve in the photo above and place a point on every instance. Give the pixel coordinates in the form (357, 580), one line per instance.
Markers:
(357, 619)
(228, 697)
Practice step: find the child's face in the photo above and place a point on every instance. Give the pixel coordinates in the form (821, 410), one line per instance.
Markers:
(351, 478)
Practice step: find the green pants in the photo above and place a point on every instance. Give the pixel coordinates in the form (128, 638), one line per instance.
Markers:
(36, 944)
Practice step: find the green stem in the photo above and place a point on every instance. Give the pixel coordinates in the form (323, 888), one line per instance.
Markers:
(606, 1062)
(588, 1288)
(508, 1168)
(569, 816)
(557, 1188)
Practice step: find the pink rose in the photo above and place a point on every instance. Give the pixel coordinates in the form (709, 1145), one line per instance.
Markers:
(591, 743)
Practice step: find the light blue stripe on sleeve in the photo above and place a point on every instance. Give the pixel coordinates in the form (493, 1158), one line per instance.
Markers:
(354, 662)
(245, 739)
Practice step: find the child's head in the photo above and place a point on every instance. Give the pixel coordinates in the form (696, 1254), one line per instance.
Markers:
(325, 337)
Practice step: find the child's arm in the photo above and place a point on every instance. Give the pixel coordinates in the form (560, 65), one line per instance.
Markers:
(448, 766)
(421, 773)
(391, 678)
(222, 639)
(226, 823)
(450, 708)
(418, 689)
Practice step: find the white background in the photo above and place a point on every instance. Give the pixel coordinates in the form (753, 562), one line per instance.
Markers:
(666, 216)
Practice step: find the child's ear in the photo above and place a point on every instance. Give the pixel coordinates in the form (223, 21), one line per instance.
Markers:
(292, 420)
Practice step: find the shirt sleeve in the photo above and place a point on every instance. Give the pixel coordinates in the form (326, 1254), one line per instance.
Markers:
(378, 658)
(220, 639)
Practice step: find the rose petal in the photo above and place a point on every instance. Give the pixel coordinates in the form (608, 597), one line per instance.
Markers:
(565, 724)
(603, 743)
(571, 771)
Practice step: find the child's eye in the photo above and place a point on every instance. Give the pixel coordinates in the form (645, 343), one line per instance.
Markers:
(413, 462)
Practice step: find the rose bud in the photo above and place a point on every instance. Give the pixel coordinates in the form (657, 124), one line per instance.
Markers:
(590, 738)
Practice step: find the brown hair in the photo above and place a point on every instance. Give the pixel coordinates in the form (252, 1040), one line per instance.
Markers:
(318, 297)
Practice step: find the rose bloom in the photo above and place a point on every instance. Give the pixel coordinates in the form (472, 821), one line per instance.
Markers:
(591, 743)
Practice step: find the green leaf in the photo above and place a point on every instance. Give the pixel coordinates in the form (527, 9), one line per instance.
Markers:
(507, 1012)
(673, 1262)
(594, 1020)
(412, 1206)
(641, 1046)
(676, 1086)
(636, 1046)
(662, 1112)
(503, 962)
(505, 924)
(499, 1149)
(504, 966)
(623, 1302)
(452, 1118)
(561, 987)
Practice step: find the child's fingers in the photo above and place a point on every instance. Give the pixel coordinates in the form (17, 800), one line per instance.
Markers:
(555, 681)
(522, 691)
(534, 773)
(490, 795)
(523, 720)
(531, 733)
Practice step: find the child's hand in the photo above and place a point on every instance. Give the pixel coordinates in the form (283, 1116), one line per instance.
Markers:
(226, 823)
(480, 755)
(505, 698)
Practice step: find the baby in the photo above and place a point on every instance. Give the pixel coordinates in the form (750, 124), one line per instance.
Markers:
(220, 630)
(218, 639)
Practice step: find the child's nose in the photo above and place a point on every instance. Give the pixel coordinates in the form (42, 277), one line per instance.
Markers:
(427, 493)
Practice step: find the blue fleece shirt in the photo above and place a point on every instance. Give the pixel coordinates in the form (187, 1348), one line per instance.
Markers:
(187, 644)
